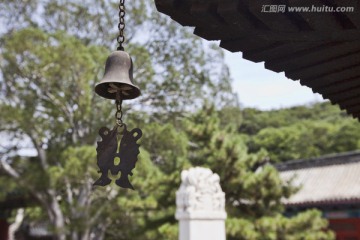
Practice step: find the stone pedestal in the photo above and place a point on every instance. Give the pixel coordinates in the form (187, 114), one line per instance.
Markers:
(200, 206)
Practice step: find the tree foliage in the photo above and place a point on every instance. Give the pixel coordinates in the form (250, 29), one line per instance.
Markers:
(300, 132)
(51, 55)
(253, 187)
(51, 58)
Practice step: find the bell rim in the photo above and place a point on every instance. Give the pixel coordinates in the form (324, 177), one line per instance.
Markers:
(101, 90)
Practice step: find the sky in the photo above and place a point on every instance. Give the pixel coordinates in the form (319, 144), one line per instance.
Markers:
(264, 89)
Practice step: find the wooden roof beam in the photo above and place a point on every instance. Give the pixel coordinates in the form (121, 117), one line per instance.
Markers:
(324, 67)
(313, 55)
(327, 79)
(343, 85)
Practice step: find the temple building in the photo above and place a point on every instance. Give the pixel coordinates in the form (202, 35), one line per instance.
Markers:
(330, 184)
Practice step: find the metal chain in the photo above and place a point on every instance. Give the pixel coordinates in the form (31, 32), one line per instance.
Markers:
(118, 114)
(121, 26)
(120, 40)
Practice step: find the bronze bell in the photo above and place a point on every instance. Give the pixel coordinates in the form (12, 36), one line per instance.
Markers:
(118, 77)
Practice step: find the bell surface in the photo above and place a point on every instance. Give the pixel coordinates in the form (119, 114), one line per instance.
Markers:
(118, 77)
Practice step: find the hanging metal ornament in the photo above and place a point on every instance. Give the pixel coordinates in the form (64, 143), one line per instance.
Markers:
(120, 143)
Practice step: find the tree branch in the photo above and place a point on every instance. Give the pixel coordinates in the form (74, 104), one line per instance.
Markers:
(8, 169)
(40, 151)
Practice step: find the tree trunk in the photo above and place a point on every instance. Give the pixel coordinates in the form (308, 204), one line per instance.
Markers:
(58, 220)
(15, 226)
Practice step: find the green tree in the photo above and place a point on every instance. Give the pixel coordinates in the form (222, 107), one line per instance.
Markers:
(255, 120)
(50, 60)
(300, 132)
(253, 187)
(51, 55)
(346, 137)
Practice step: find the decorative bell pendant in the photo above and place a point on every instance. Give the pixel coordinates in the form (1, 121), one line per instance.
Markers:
(118, 142)
(118, 77)
(117, 84)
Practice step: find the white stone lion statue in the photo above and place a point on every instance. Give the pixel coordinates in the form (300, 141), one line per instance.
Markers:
(200, 190)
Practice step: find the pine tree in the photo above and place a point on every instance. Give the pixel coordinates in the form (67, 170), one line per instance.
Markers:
(252, 186)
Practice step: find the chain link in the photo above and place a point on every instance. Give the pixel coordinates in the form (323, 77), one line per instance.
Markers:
(118, 114)
(121, 26)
